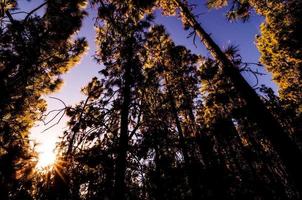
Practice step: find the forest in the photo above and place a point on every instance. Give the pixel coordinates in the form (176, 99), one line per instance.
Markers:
(157, 121)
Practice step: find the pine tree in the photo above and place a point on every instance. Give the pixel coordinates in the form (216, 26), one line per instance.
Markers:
(34, 51)
(120, 36)
(160, 122)
(279, 45)
(243, 149)
(122, 31)
(288, 151)
(178, 73)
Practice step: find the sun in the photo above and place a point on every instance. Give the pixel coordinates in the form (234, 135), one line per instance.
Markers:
(46, 157)
(46, 160)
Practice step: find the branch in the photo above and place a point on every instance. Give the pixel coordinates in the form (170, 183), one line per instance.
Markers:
(59, 100)
(10, 17)
(56, 115)
(21, 12)
(137, 125)
(55, 123)
(34, 10)
(255, 73)
(79, 122)
(59, 111)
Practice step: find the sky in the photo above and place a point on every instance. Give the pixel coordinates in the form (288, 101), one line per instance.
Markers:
(214, 22)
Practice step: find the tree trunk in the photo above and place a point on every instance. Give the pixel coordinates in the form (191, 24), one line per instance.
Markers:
(188, 165)
(227, 136)
(159, 192)
(121, 160)
(288, 151)
(3, 191)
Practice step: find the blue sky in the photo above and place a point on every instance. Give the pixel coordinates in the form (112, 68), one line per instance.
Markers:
(222, 31)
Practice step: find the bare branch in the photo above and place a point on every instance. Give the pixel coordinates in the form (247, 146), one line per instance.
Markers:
(60, 101)
(55, 123)
(34, 10)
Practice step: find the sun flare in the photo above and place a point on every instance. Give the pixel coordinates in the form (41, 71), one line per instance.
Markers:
(46, 158)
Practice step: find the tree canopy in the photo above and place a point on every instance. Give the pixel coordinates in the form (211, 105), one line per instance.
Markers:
(158, 121)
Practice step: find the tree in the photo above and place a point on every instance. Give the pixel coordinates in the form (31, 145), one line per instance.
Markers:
(176, 67)
(279, 45)
(288, 151)
(243, 149)
(35, 51)
(120, 36)
(159, 122)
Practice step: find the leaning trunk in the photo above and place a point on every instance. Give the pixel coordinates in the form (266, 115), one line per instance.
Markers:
(288, 151)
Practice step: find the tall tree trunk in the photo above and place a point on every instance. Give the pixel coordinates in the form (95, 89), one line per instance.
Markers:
(3, 191)
(189, 108)
(59, 189)
(121, 160)
(288, 151)
(159, 188)
(228, 137)
(188, 164)
(257, 156)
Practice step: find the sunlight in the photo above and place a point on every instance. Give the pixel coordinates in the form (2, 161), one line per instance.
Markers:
(46, 157)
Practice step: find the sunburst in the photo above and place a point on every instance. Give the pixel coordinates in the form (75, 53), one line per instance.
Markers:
(46, 157)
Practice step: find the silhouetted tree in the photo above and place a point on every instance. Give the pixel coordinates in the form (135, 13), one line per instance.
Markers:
(279, 44)
(288, 151)
(160, 122)
(34, 51)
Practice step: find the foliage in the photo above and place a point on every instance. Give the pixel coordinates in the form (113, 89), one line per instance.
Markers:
(159, 122)
(35, 51)
(279, 45)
